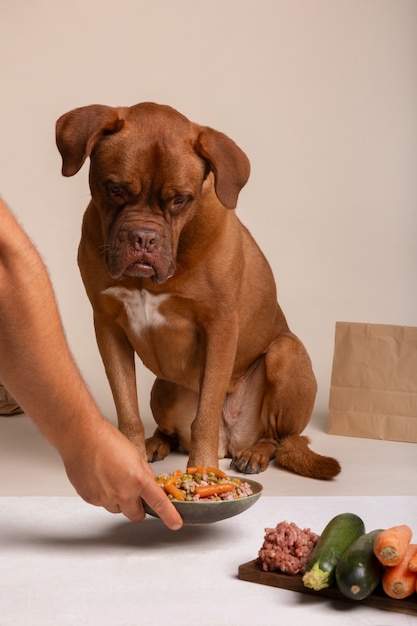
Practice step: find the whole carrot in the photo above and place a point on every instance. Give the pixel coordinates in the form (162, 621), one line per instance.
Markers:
(390, 545)
(399, 581)
(412, 564)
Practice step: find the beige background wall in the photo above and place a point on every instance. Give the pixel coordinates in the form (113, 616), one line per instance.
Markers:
(321, 94)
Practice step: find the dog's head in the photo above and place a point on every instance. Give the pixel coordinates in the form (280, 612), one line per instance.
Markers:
(148, 166)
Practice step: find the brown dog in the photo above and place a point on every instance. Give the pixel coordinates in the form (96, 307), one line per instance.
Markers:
(173, 275)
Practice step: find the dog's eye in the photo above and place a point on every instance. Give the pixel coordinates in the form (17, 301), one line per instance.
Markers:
(178, 203)
(116, 192)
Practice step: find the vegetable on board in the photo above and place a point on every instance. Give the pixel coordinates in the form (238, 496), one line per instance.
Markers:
(337, 536)
(390, 546)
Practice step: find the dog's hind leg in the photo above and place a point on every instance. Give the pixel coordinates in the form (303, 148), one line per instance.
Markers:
(288, 405)
(289, 391)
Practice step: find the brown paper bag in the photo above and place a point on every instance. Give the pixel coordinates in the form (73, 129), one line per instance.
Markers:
(8, 405)
(373, 391)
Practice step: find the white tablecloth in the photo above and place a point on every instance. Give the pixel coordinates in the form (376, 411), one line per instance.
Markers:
(65, 563)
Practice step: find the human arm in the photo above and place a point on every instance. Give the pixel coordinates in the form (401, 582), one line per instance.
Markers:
(38, 369)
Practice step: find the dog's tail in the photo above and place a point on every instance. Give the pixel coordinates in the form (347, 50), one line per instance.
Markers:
(294, 454)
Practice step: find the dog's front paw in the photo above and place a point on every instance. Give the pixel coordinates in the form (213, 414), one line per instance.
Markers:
(250, 462)
(256, 458)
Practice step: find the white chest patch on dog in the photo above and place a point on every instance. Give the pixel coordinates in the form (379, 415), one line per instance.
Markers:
(142, 307)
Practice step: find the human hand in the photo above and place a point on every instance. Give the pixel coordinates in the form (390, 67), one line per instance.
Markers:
(110, 472)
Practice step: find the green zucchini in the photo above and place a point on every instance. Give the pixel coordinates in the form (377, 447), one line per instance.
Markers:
(337, 536)
(358, 571)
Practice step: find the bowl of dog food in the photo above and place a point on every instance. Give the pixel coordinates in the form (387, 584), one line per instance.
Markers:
(207, 495)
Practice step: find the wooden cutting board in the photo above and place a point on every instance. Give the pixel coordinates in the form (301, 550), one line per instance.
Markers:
(254, 573)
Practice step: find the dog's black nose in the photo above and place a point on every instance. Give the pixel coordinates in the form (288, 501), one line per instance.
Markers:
(144, 239)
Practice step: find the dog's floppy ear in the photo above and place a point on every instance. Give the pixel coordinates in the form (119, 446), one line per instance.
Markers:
(79, 130)
(228, 162)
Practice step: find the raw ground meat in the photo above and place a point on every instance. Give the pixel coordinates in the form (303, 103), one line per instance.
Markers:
(287, 548)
